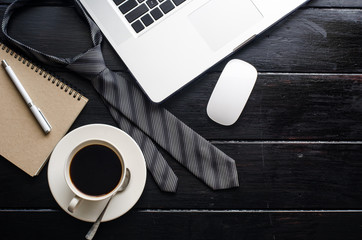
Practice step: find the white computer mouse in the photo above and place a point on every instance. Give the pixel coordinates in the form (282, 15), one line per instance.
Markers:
(231, 92)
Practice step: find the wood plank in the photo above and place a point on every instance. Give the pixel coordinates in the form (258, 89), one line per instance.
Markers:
(271, 175)
(275, 172)
(312, 40)
(312, 3)
(186, 225)
(335, 3)
(281, 107)
(323, 39)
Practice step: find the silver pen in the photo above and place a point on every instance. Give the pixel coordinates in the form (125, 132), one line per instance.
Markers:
(34, 109)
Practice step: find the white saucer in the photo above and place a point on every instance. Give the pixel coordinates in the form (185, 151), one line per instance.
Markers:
(121, 202)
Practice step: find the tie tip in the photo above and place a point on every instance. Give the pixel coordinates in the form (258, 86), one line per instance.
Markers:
(171, 187)
(169, 190)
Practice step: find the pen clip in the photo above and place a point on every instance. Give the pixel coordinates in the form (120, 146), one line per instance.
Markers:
(42, 115)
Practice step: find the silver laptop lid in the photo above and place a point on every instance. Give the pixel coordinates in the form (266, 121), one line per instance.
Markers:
(185, 41)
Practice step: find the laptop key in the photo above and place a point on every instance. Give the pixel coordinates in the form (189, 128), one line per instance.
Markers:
(156, 13)
(147, 20)
(178, 2)
(117, 2)
(127, 6)
(152, 3)
(137, 26)
(136, 13)
(167, 6)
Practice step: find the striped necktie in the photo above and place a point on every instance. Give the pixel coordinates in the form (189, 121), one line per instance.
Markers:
(145, 121)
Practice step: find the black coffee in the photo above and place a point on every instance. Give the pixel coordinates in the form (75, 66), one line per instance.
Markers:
(95, 170)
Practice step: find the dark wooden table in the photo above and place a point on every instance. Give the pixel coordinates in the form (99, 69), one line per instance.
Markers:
(297, 145)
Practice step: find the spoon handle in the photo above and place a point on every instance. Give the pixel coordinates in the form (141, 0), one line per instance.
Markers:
(92, 231)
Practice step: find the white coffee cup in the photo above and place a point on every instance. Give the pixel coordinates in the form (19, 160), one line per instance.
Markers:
(79, 165)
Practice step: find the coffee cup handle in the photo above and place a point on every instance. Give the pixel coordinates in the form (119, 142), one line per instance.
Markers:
(126, 181)
(74, 203)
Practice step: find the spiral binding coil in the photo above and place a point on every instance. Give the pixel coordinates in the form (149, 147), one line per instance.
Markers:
(52, 79)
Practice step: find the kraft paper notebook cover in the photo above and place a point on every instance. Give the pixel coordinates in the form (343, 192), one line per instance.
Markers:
(22, 141)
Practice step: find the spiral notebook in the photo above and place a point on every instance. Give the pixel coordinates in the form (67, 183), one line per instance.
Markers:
(22, 141)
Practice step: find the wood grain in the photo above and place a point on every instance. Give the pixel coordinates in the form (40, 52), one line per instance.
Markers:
(272, 176)
(297, 145)
(310, 40)
(281, 107)
(189, 225)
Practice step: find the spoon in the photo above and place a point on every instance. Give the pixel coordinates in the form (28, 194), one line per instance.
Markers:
(92, 231)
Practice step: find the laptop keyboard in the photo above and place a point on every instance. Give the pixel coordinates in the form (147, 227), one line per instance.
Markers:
(143, 13)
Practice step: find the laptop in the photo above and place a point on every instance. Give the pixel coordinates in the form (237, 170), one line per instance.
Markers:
(167, 43)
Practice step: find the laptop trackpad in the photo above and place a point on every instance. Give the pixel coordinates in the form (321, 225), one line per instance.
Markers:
(220, 21)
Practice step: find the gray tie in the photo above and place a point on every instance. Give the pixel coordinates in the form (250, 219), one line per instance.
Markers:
(141, 118)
